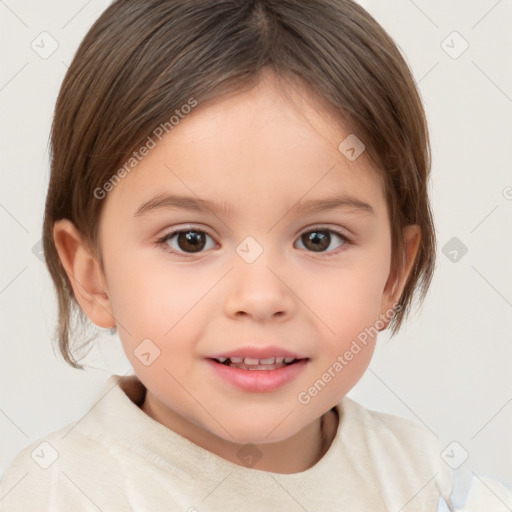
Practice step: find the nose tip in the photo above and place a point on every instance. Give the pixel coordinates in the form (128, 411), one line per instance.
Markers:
(256, 292)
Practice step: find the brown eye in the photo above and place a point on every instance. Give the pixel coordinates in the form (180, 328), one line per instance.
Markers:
(190, 241)
(321, 240)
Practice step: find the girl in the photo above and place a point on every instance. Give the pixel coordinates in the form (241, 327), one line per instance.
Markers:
(239, 190)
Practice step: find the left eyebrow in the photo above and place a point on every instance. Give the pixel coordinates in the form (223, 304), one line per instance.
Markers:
(346, 201)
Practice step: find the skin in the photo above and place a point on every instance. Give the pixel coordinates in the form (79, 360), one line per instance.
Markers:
(259, 152)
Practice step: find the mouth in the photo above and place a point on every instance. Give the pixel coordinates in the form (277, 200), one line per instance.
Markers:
(257, 370)
(251, 363)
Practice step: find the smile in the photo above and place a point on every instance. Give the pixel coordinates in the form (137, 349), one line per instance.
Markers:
(257, 375)
(250, 363)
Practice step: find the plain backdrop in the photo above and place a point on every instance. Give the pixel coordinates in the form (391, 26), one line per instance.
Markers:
(450, 366)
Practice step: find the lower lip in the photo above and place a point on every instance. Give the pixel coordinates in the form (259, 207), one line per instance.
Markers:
(258, 381)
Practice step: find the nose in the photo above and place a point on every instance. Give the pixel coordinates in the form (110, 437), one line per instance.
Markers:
(257, 291)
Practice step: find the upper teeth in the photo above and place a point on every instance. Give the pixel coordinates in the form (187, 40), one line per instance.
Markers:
(253, 361)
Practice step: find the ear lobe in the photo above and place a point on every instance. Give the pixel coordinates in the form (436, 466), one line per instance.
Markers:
(84, 273)
(398, 277)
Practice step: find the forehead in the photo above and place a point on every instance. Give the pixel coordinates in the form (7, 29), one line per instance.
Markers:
(260, 144)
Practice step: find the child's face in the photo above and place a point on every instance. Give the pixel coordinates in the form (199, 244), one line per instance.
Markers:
(259, 158)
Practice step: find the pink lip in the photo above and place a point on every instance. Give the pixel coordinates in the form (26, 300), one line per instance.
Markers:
(258, 353)
(257, 381)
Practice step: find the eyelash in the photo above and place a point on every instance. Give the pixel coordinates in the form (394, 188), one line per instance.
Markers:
(162, 242)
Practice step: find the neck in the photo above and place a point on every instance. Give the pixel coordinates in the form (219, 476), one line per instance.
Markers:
(295, 454)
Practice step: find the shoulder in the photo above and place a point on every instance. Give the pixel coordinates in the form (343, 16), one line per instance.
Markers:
(60, 472)
(388, 427)
(396, 449)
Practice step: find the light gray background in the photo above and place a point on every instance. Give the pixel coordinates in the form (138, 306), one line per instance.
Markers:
(449, 368)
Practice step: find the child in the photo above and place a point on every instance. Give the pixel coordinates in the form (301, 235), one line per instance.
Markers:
(239, 190)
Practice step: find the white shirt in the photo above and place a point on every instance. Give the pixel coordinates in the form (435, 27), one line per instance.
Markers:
(116, 458)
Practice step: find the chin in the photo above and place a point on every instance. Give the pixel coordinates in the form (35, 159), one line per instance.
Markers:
(257, 432)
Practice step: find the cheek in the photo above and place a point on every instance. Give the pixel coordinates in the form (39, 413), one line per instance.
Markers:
(149, 298)
(349, 307)
(168, 304)
(154, 309)
(348, 298)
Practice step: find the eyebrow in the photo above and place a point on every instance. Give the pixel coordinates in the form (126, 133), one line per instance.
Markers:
(171, 201)
(346, 201)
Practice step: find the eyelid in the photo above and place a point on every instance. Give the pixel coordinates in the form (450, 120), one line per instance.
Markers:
(336, 230)
(186, 227)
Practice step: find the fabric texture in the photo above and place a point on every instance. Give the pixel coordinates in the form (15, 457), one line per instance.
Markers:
(116, 458)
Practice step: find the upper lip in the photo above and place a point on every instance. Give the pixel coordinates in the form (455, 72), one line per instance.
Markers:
(258, 353)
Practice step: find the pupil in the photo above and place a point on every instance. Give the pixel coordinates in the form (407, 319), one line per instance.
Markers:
(191, 241)
(317, 240)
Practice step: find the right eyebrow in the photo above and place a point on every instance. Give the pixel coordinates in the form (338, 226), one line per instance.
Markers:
(172, 201)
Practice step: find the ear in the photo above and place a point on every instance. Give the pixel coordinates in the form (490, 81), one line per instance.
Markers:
(84, 273)
(398, 277)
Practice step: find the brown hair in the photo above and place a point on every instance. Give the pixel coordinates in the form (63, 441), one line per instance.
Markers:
(143, 59)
